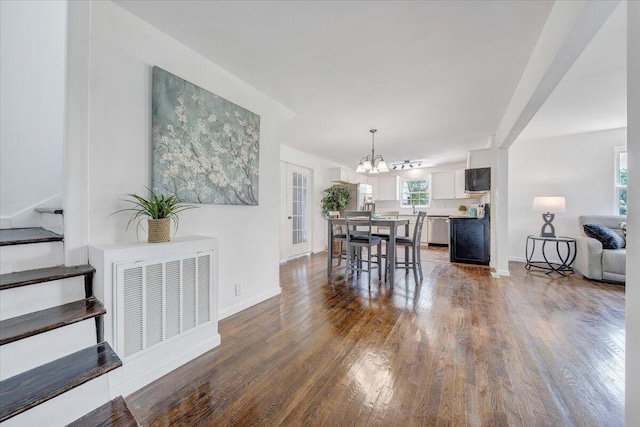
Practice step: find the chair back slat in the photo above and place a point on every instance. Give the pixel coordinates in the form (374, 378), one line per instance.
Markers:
(337, 228)
(417, 231)
(358, 223)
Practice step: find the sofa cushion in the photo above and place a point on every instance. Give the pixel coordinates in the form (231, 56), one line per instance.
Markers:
(606, 236)
(614, 261)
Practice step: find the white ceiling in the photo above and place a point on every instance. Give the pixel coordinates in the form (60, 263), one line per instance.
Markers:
(592, 96)
(434, 77)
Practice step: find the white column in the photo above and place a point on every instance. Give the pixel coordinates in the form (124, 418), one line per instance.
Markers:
(76, 209)
(632, 355)
(500, 210)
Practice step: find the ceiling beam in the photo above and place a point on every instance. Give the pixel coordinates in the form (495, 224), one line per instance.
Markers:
(568, 31)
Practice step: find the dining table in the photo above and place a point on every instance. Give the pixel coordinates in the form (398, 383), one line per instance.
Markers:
(391, 223)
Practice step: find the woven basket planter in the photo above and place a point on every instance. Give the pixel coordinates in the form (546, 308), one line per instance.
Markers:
(159, 230)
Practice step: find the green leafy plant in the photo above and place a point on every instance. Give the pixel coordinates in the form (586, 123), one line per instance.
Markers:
(462, 208)
(335, 198)
(154, 207)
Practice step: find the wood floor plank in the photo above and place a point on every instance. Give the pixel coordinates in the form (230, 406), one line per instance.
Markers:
(461, 348)
(114, 413)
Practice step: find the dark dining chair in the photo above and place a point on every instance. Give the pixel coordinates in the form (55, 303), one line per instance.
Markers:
(359, 236)
(413, 243)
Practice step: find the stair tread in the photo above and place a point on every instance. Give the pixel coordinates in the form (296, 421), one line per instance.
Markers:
(55, 211)
(24, 391)
(30, 277)
(115, 413)
(25, 326)
(23, 236)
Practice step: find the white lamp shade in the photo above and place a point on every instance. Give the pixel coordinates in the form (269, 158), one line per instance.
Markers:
(367, 165)
(360, 169)
(549, 204)
(382, 166)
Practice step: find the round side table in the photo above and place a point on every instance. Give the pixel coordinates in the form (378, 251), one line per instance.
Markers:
(566, 256)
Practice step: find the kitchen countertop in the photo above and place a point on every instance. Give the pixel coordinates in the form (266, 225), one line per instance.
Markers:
(464, 217)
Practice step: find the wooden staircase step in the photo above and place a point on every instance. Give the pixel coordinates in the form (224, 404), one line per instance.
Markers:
(23, 236)
(38, 322)
(24, 391)
(112, 414)
(30, 277)
(55, 211)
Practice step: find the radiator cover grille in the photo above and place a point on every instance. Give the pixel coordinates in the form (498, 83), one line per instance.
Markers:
(161, 299)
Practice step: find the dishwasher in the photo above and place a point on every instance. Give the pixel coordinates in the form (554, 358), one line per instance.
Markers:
(438, 230)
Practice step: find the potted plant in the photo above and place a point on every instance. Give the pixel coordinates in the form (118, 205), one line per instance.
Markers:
(335, 198)
(160, 211)
(462, 209)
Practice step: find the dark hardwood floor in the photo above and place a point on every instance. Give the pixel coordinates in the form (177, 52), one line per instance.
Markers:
(463, 348)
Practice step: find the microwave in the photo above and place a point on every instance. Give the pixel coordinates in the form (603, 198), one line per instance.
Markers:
(477, 180)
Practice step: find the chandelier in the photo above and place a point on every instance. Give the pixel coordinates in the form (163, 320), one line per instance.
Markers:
(372, 164)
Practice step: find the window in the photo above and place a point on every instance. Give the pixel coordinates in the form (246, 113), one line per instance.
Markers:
(415, 192)
(621, 180)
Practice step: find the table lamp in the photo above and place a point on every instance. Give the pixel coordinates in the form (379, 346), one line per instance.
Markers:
(548, 205)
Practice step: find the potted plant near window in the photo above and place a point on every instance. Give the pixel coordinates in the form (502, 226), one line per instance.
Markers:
(335, 198)
(159, 211)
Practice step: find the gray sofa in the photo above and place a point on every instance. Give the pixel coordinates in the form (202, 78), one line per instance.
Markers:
(594, 262)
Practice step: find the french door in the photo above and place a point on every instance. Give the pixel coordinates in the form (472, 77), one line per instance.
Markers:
(298, 228)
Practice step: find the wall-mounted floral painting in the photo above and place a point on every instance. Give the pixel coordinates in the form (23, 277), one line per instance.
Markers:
(205, 148)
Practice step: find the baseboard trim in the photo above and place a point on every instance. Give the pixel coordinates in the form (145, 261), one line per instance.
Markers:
(230, 311)
(504, 273)
(125, 380)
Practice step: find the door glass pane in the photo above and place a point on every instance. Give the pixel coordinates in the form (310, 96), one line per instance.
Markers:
(299, 209)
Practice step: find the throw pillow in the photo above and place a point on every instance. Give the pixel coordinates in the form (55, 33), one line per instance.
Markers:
(606, 236)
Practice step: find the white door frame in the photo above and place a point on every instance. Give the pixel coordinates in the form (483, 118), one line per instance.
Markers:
(287, 249)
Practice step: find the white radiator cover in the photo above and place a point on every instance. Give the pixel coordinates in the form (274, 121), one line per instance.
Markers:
(161, 302)
(160, 299)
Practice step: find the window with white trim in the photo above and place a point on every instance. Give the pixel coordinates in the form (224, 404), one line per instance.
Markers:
(621, 180)
(415, 192)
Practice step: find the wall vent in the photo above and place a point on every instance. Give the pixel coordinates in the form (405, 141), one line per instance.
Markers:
(160, 299)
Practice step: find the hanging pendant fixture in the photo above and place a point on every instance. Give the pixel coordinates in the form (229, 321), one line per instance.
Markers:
(372, 164)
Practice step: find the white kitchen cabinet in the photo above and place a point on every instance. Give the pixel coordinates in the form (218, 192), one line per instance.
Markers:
(388, 188)
(448, 185)
(458, 180)
(479, 158)
(343, 175)
(373, 182)
(443, 185)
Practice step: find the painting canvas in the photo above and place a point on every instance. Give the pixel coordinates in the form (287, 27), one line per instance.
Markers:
(205, 148)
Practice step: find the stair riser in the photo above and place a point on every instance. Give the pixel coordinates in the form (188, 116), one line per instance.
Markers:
(65, 408)
(28, 353)
(40, 296)
(52, 222)
(32, 256)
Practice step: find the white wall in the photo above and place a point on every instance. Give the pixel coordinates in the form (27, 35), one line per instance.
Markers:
(320, 181)
(123, 51)
(632, 356)
(32, 85)
(579, 167)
